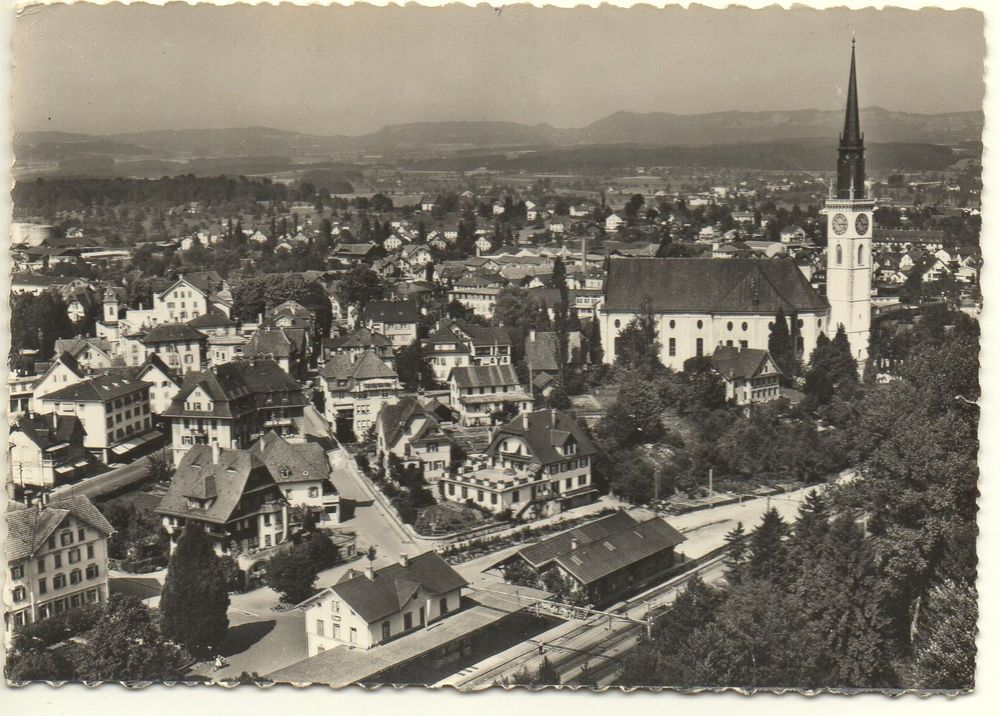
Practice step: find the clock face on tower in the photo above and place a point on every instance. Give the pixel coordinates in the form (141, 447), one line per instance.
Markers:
(839, 224)
(861, 224)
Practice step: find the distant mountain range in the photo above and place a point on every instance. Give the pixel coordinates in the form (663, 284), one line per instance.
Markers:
(656, 128)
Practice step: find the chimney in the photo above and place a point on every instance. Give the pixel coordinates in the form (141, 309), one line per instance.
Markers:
(532, 335)
(370, 572)
(215, 452)
(404, 561)
(574, 543)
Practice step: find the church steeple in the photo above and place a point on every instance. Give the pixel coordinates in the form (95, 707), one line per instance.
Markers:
(851, 161)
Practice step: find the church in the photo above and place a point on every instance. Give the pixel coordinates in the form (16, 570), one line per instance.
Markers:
(701, 303)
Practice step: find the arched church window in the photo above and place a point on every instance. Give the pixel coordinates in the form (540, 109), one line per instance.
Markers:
(672, 323)
(861, 255)
(729, 326)
(699, 324)
(618, 324)
(840, 255)
(745, 325)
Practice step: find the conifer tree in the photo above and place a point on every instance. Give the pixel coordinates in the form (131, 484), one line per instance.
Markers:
(841, 596)
(843, 366)
(811, 526)
(195, 600)
(768, 554)
(737, 555)
(779, 344)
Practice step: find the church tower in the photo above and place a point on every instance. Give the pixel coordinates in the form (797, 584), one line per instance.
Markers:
(849, 234)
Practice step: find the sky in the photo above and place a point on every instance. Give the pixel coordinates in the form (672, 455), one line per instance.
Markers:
(352, 70)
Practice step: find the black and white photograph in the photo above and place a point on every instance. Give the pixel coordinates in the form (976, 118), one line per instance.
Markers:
(495, 348)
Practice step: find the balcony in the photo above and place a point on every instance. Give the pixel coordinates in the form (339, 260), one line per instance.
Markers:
(279, 423)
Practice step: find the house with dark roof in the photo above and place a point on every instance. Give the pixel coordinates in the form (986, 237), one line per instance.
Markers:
(536, 465)
(370, 608)
(352, 254)
(57, 559)
(601, 561)
(479, 391)
(396, 320)
(291, 314)
(458, 343)
(178, 345)
(699, 304)
(541, 353)
(354, 344)
(45, 450)
(354, 391)
(410, 432)
(91, 354)
(214, 323)
(303, 473)
(114, 411)
(232, 494)
(234, 404)
(285, 346)
(749, 374)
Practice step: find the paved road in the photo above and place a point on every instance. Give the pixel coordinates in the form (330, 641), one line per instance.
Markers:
(373, 523)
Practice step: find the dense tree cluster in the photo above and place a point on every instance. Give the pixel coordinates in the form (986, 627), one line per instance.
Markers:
(407, 489)
(36, 322)
(256, 295)
(118, 641)
(873, 585)
(49, 196)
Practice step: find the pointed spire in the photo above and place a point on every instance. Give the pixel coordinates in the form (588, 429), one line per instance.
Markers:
(851, 162)
(852, 122)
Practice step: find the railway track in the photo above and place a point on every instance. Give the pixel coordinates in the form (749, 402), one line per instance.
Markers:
(591, 645)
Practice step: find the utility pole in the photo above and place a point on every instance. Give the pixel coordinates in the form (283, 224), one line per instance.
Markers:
(710, 493)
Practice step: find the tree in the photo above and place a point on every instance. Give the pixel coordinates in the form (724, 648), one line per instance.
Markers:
(195, 597)
(41, 665)
(779, 344)
(414, 371)
(637, 345)
(913, 288)
(127, 645)
(736, 552)
(592, 337)
(768, 554)
(918, 485)
(504, 414)
(292, 573)
(36, 322)
(360, 286)
(703, 388)
(636, 415)
(945, 649)
(663, 250)
(811, 526)
(320, 549)
(840, 593)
